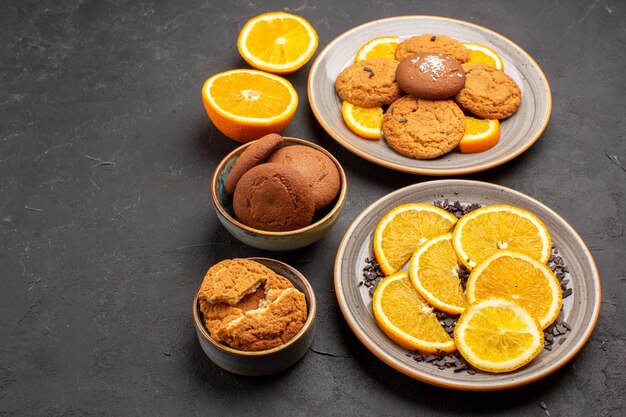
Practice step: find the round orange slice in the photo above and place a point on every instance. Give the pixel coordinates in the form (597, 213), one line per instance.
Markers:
(362, 121)
(482, 54)
(383, 47)
(277, 42)
(480, 135)
(434, 272)
(406, 318)
(247, 104)
(498, 335)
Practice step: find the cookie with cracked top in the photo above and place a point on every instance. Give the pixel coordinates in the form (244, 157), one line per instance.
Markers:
(432, 43)
(369, 83)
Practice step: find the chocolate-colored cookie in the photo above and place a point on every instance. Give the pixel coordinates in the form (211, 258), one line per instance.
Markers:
(369, 83)
(488, 93)
(423, 129)
(318, 170)
(432, 76)
(273, 197)
(432, 43)
(252, 156)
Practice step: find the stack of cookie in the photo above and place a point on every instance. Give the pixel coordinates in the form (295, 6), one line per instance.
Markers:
(278, 188)
(427, 88)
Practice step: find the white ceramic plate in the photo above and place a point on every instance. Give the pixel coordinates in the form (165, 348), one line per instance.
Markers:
(518, 132)
(580, 309)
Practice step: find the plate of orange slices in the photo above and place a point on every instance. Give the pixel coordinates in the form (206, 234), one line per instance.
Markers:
(486, 144)
(467, 285)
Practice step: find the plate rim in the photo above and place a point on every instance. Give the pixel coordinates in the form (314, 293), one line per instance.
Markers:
(417, 170)
(391, 361)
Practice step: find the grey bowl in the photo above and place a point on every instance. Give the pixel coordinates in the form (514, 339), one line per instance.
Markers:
(269, 361)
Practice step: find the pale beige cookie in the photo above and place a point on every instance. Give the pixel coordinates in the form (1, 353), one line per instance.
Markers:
(230, 280)
(369, 83)
(268, 327)
(423, 129)
(488, 93)
(432, 43)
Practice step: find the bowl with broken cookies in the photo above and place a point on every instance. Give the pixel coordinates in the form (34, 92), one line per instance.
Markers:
(254, 316)
(278, 193)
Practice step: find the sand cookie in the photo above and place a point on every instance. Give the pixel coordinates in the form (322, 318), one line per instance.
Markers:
(252, 156)
(268, 327)
(369, 83)
(488, 93)
(318, 170)
(432, 43)
(423, 129)
(230, 280)
(273, 197)
(432, 76)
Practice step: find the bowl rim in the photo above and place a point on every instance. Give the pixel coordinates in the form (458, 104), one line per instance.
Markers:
(343, 187)
(311, 312)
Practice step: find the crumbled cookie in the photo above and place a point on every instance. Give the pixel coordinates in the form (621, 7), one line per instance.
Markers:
(318, 170)
(432, 76)
(488, 93)
(423, 129)
(432, 43)
(273, 197)
(252, 156)
(369, 83)
(268, 327)
(230, 280)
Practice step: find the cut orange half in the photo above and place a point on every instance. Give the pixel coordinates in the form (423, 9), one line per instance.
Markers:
(247, 104)
(482, 54)
(383, 47)
(406, 318)
(362, 121)
(480, 135)
(277, 42)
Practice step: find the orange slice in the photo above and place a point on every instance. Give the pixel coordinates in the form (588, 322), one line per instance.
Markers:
(404, 229)
(406, 318)
(498, 335)
(434, 272)
(383, 47)
(480, 135)
(482, 54)
(277, 42)
(362, 121)
(248, 104)
(481, 232)
(520, 278)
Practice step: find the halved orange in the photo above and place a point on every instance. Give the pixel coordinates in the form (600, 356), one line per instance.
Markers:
(382, 47)
(481, 232)
(362, 121)
(277, 42)
(480, 135)
(482, 54)
(404, 229)
(518, 277)
(434, 272)
(498, 335)
(247, 104)
(406, 318)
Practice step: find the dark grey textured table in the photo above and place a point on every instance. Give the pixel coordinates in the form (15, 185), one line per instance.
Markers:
(106, 226)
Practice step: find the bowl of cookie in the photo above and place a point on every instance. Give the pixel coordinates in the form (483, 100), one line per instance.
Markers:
(278, 193)
(254, 316)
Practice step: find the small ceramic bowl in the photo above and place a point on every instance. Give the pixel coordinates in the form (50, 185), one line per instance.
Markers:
(269, 361)
(263, 239)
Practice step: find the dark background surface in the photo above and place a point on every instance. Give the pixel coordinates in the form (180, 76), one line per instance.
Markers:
(99, 262)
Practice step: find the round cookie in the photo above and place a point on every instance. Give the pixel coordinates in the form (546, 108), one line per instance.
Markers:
(432, 43)
(423, 129)
(231, 280)
(252, 156)
(432, 76)
(273, 197)
(369, 83)
(318, 170)
(488, 93)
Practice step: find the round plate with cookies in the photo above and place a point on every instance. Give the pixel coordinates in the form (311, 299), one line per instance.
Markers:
(429, 95)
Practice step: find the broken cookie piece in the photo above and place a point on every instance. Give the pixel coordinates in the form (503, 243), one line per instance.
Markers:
(230, 280)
